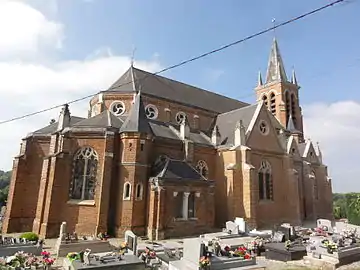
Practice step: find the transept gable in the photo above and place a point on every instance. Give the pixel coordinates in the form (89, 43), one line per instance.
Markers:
(262, 132)
(310, 153)
(293, 148)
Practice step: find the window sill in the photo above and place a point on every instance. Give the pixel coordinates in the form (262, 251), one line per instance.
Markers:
(138, 199)
(82, 202)
(126, 199)
(185, 219)
(266, 201)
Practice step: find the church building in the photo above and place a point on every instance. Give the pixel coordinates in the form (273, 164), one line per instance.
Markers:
(166, 159)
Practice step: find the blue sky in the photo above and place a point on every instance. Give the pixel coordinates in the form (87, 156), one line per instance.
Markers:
(321, 47)
(52, 51)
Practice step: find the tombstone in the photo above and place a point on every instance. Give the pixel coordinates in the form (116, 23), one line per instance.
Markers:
(193, 250)
(131, 240)
(279, 237)
(232, 227)
(286, 230)
(62, 234)
(241, 224)
(324, 223)
(87, 256)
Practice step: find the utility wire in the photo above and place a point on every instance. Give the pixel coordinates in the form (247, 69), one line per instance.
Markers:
(186, 61)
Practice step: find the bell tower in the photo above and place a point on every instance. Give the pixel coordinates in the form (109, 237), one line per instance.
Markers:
(280, 94)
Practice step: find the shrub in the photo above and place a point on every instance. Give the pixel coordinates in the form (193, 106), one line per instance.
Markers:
(30, 236)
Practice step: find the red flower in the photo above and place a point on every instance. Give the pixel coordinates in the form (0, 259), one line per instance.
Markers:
(247, 256)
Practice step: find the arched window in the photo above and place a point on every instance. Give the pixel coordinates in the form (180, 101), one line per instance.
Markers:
(127, 191)
(293, 108)
(84, 174)
(139, 192)
(265, 99)
(272, 103)
(202, 168)
(316, 188)
(288, 106)
(265, 181)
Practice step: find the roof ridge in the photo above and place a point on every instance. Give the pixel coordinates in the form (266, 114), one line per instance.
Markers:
(186, 84)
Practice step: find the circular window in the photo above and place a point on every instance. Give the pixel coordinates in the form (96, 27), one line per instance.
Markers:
(117, 108)
(151, 111)
(263, 127)
(180, 116)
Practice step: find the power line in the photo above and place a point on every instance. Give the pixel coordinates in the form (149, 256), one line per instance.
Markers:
(186, 61)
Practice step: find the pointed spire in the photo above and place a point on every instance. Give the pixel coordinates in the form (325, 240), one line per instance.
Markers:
(293, 78)
(64, 118)
(276, 70)
(137, 120)
(291, 126)
(215, 136)
(260, 81)
(240, 133)
(319, 152)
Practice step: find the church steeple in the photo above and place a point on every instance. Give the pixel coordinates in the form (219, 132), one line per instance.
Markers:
(276, 70)
(280, 94)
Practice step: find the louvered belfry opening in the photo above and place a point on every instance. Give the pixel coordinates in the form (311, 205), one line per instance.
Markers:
(272, 103)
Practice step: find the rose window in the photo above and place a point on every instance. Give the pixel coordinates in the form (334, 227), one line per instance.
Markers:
(117, 108)
(151, 111)
(180, 117)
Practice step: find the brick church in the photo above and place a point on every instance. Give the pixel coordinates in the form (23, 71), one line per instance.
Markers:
(166, 159)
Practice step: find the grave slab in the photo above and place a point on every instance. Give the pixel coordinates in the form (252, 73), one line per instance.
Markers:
(129, 262)
(277, 251)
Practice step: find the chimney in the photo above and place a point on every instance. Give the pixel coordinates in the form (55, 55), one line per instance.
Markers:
(239, 138)
(215, 136)
(64, 118)
(184, 129)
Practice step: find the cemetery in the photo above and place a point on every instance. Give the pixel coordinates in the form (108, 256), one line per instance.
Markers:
(235, 247)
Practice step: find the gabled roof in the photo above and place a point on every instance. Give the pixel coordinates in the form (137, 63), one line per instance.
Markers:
(137, 120)
(226, 122)
(104, 119)
(276, 70)
(179, 170)
(154, 85)
(291, 126)
(49, 129)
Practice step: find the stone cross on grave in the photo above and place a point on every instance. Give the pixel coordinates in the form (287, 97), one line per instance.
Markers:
(87, 256)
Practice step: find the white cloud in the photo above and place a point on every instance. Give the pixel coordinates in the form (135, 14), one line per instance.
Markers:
(28, 86)
(336, 127)
(25, 30)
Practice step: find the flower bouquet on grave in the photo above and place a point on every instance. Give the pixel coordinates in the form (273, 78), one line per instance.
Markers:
(226, 252)
(103, 236)
(47, 260)
(329, 245)
(287, 244)
(204, 263)
(73, 256)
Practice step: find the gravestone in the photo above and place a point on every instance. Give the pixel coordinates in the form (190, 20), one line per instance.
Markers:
(87, 257)
(279, 237)
(131, 240)
(62, 233)
(232, 227)
(193, 250)
(286, 230)
(241, 224)
(324, 223)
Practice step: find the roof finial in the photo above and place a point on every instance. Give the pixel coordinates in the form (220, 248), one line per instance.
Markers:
(293, 77)
(274, 26)
(132, 57)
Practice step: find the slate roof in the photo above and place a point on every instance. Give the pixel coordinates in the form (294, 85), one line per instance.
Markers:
(291, 126)
(137, 120)
(161, 87)
(102, 120)
(49, 129)
(179, 170)
(276, 69)
(302, 147)
(226, 122)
